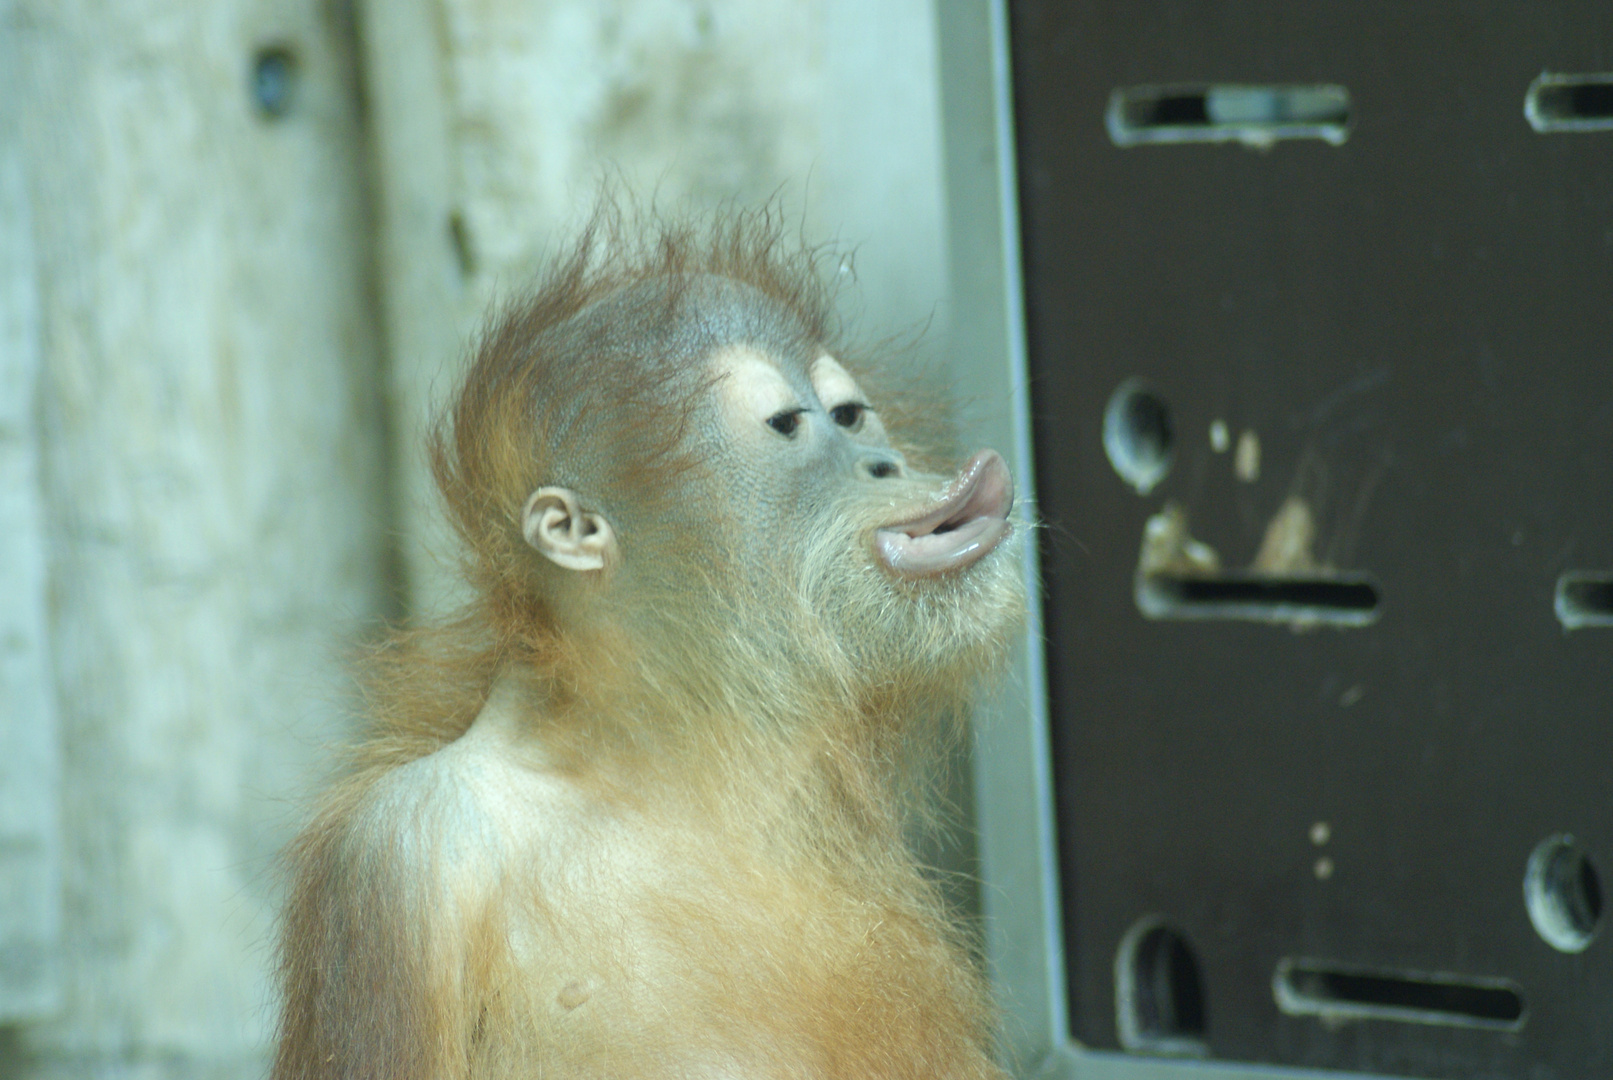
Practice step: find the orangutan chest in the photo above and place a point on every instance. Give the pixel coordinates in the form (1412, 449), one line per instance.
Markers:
(742, 971)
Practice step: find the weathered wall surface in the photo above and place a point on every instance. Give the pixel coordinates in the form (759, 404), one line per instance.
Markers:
(239, 322)
(30, 851)
(212, 483)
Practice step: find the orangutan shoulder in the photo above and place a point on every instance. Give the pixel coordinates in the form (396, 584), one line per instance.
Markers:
(450, 830)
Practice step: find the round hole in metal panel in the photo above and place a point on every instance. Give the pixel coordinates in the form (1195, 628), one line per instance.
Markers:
(1563, 894)
(1159, 996)
(1137, 435)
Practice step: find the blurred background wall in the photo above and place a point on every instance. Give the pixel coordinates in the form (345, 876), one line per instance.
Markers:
(243, 244)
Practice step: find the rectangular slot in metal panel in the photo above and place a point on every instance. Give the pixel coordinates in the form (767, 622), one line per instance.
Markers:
(1570, 103)
(1256, 116)
(1343, 992)
(1332, 601)
(1584, 598)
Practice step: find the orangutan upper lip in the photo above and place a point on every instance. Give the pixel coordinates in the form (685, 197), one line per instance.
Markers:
(965, 522)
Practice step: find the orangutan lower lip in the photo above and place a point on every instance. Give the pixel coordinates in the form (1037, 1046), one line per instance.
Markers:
(967, 521)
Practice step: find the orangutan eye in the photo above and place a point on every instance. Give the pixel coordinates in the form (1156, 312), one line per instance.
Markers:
(849, 415)
(786, 422)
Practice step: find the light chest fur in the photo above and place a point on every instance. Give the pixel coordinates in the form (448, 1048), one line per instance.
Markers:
(603, 931)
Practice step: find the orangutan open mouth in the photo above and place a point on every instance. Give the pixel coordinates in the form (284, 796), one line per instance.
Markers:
(967, 521)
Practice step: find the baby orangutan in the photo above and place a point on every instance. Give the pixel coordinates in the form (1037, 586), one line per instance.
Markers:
(640, 811)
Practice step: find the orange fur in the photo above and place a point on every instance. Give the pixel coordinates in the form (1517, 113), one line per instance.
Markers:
(669, 839)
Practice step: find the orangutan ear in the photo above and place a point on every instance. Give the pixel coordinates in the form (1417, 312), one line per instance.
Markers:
(555, 523)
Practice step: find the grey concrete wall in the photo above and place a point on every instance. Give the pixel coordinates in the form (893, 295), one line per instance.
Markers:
(30, 852)
(221, 331)
(211, 476)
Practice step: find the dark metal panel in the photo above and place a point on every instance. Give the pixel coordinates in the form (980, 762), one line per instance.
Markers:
(1417, 325)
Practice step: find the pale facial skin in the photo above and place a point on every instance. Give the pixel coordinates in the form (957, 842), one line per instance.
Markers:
(792, 441)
